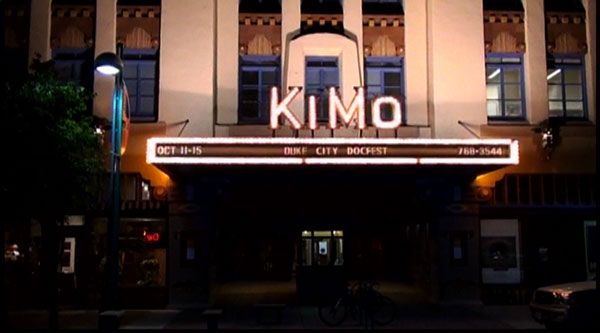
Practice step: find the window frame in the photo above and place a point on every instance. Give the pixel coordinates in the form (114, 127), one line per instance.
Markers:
(137, 56)
(322, 104)
(502, 99)
(562, 65)
(261, 64)
(385, 64)
(75, 57)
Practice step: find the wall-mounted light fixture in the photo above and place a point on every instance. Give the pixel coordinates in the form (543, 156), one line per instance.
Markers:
(549, 131)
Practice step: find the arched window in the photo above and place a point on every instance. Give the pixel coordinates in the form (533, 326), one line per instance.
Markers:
(566, 44)
(138, 29)
(383, 44)
(259, 63)
(504, 40)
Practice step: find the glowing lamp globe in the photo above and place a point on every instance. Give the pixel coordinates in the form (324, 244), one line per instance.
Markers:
(108, 63)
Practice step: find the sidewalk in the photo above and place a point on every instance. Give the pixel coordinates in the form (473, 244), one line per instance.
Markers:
(294, 317)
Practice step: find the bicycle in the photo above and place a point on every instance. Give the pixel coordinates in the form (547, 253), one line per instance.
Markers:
(363, 302)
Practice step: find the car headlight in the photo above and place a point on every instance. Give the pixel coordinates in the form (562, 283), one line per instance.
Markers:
(562, 296)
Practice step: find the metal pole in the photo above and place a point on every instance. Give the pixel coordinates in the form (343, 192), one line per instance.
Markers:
(112, 258)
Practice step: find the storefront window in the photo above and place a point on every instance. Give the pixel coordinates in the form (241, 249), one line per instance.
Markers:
(142, 251)
(322, 248)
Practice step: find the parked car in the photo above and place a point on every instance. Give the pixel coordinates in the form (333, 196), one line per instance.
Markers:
(567, 305)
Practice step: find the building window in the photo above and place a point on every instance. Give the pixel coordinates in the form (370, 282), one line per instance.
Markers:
(505, 89)
(384, 77)
(74, 65)
(258, 74)
(140, 76)
(566, 88)
(322, 73)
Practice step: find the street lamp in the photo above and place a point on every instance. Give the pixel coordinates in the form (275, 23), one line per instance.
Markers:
(109, 63)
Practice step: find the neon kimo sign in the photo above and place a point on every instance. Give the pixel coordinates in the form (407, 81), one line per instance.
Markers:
(338, 112)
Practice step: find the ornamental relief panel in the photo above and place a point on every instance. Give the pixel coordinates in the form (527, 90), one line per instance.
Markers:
(259, 34)
(383, 35)
(383, 46)
(72, 26)
(504, 42)
(504, 32)
(139, 38)
(138, 27)
(566, 33)
(260, 45)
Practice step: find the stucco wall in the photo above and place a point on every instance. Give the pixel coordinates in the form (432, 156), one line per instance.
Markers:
(353, 25)
(290, 26)
(186, 67)
(106, 36)
(227, 60)
(456, 49)
(534, 62)
(415, 61)
(590, 57)
(39, 30)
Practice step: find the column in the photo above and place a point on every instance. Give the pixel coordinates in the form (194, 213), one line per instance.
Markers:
(106, 39)
(590, 57)
(415, 61)
(290, 23)
(40, 27)
(227, 61)
(187, 53)
(353, 24)
(457, 65)
(536, 85)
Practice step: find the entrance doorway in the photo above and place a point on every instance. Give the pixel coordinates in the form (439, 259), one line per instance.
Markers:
(320, 271)
(322, 248)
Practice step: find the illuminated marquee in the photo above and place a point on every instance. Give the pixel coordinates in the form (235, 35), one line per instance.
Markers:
(354, 113)
(311, 151)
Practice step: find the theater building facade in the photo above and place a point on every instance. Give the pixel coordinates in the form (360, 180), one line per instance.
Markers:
(445, 148)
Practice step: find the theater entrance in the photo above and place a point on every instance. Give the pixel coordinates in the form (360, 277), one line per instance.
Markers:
(320, 264)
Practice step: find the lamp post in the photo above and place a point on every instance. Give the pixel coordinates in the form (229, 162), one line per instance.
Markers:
(109, 63)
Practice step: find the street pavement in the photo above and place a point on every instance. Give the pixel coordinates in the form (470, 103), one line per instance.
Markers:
(421, 317)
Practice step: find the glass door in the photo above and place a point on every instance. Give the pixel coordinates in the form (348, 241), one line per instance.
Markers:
(322, 248)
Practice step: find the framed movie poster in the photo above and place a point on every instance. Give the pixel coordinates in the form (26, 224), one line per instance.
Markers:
(500, 251)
